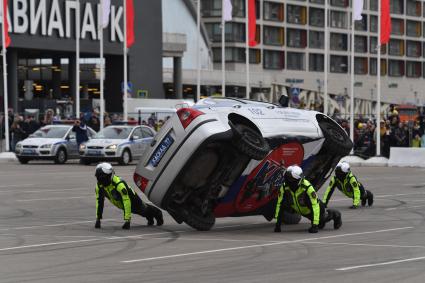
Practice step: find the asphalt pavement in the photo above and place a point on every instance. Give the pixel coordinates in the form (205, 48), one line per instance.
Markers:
(47, 215)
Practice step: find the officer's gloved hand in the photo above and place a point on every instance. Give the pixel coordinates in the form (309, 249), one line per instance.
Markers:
(313, 229)
(277, 229)
(97, 225)
(126, 225)
(353, 207)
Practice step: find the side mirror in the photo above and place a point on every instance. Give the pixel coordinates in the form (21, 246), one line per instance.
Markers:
(284, 101)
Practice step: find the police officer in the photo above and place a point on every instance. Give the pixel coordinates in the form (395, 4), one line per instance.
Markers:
(297, 195)
(347, 183)
(122, 196)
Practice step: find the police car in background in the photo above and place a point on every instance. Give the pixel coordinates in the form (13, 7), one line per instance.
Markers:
(117, 143)
(54, 142)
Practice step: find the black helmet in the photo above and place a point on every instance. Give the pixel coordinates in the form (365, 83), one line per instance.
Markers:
(104, 172)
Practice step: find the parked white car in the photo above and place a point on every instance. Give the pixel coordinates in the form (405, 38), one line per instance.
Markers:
(226, 157)
(54, 142)
(117, 143)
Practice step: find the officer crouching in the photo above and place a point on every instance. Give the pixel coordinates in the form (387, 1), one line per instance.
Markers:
(122, 196)
(297, 195)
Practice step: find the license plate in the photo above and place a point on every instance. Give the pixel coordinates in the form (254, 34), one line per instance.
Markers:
(29, 151)
(161, 150)
(94, 152)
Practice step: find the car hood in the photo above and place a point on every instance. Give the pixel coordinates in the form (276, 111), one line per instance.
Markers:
(41, 141)
(104, 142)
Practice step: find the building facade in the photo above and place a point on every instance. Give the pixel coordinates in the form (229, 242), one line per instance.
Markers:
(290, 53)
(41, 58)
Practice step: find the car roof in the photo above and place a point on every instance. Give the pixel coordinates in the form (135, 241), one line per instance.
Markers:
(228, 101)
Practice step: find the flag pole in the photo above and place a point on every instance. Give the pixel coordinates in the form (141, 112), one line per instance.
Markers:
(378, 85)
(77, 61)
(198, 51)
(325, 62)
(352, 79)
(125, 50)
(5, 92)
(102, 98)
(223, 53)
(247, 48)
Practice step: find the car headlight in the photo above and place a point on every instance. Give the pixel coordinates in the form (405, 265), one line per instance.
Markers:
(46, 146)
(113, 146)
(18, 146)
(82, 146)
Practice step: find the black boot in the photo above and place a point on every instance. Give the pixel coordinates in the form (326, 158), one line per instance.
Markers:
(369, 198)
(154, 212)
(336, 217)
(364, 199)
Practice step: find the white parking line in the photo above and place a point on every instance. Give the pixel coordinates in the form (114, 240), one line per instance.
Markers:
(261, 245)
(380, 264)
(380, 196)
(404, 207)
(21, 185)
(52, 225)
(45, 199)
(368, 245)
(42, 191)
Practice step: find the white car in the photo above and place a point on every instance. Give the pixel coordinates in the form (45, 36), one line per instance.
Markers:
(226, 157)
(117, 143)
(54, 142)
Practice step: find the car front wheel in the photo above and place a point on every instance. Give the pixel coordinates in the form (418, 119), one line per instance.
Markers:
(23, 160)
(61, 156)
(125, 157)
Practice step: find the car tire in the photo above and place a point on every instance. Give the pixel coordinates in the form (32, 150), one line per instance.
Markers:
(337, 140)
(200, 223)
(125, 158)
(61, 156)
(291, 218)
(23, 160)
(85, 161)
(250, 142)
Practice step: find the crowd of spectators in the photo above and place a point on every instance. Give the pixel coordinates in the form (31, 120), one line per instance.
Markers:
(393, 132)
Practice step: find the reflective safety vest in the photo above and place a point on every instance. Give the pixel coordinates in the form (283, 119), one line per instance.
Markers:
(118, 193)
(349, 187)
(304, 201)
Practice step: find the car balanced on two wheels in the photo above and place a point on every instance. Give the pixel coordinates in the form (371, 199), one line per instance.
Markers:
(226, 157)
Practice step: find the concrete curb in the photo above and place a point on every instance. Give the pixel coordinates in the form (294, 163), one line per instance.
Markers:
(8, 157)
(371, 162)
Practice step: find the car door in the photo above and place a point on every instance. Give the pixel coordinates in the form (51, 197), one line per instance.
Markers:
(72, 147)
(148, 135)
(137, 142)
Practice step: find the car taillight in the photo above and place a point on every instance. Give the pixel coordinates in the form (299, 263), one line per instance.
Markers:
(141, 182)
(187, 115)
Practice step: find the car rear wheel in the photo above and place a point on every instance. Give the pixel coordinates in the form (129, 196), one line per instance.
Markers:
(23, 160)
(61, 156)
(337, 139)
(125, 157)
(250, 142)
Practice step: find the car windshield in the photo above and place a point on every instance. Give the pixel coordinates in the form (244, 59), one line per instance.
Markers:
(50, 132)
(113, 133)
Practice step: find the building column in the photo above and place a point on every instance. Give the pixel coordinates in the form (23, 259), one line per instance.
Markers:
(177, 77)
(72, 78)
(56, 77)
(12, 78)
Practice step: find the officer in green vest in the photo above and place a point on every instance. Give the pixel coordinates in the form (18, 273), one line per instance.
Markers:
(297, 195)
(347, 183)
(122, 196)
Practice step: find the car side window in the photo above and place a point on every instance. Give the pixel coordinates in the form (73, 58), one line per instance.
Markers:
(147, 133)
(137, 134)
(72, 135)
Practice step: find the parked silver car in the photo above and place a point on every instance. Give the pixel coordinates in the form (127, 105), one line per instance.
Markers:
(227, 157)
(54, 142)
(117, 143)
